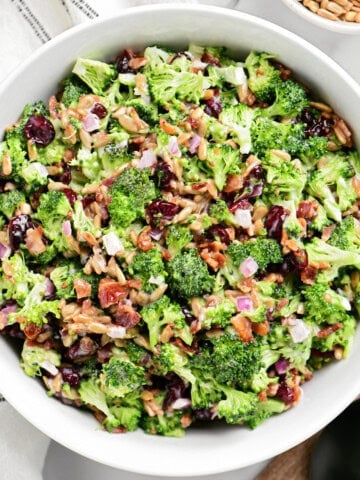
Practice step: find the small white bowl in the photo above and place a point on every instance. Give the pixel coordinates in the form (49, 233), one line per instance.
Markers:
(297, 7)
(202, 451)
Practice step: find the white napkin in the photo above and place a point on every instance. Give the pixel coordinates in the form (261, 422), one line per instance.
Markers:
(25, 25)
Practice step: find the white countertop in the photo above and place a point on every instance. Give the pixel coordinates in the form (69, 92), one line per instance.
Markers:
(62, 464)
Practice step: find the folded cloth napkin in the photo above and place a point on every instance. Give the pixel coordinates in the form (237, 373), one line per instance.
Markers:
(25, 25)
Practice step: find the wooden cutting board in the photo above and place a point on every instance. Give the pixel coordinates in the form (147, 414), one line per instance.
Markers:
(293, 464)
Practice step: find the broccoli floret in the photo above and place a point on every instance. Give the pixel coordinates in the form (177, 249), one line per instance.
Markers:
(63, 277)
(222, 160)
(285, 178)
(130, 193)
(177, 238)
(129, 412)
(324, 305)
(120, 377)
(267, 134)
(343, 337)
(346, 234)
(149, 268)
(263, 411)
(263, 250)
(81, 222)
(97, 75)
(34, 174)
(290, 100)
(51, 154)
(73, 89)
(237, 406)
(91, 394)
(136, 353)
(229, 75)
(220, 211)
(164, 312)
(10, 201)
(167, 83)
(34, 357)
(172, 359)
(215, 131)
(35, 308)
(219, 314)
(229, 360)
(239, 118)
(88, 162)
(188, 275)
(53, 210)
(263, 77)
(321, 252)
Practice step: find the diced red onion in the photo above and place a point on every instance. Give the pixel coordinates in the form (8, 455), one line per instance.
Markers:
(244, 304)
(49, 367)
(156, 234)
(66, 227)
(248, 267)
(181, 404)
(91, 122)
(4, 314)
(49, 287)
(148, 159)
(194, 143)
(117, 332)
(112, 243)
(281, 366)
(174, 147)
(5, 251)
(299, 331)
(243, 218)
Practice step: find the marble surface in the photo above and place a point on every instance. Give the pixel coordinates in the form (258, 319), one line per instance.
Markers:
(62, 464)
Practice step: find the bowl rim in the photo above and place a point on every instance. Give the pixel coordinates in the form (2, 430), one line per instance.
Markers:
(342, 27)
(5, 381)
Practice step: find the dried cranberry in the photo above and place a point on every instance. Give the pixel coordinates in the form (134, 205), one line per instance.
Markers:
(315, 127)
(203, 414)
(274, 221)
(294, 261)
(122, 62)
(17, 230)
(256, 172)
(163, 175)
(99, 110)
(70, 195)
(104, 353)
(70, 375)
(318, 353)
(39, 130)
(161, 210)
(213, 106)
(65, 177)
(13, 331)
(188, 315)
(88, 200)
(174, 389)
(285, 393)
(220, 232)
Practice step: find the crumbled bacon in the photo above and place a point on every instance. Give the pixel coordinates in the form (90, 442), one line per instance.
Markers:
(34, 241)
(307, 209)
(325, 332)
(111, 292)
(126, 316)
(242, 327)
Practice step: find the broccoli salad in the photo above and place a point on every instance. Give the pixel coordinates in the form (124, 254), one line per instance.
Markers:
(180, 239)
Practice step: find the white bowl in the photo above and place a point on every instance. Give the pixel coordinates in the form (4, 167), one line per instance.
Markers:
(340, 27)
(201, 451)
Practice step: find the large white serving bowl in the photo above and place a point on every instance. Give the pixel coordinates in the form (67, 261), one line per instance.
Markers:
(207, 450)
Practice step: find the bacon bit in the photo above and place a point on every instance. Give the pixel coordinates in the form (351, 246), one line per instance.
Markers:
(261, 328)
(247, 285)
(327, 232)
(282, 303)
(325, 332)
(82, 288)
(307, 209)
(186, 420)
(185, 348)
(34, 241)
(126, 316)
(210, 253)
(144, 241)
(308, 275)
(32, 330)
(242, 326)
(138, 62)
(111, 292)
(208, 58)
